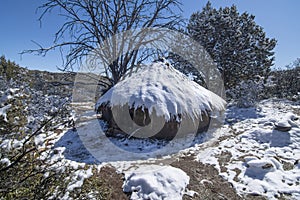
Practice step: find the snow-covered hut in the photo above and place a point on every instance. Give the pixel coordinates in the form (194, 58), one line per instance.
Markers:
(160, 102)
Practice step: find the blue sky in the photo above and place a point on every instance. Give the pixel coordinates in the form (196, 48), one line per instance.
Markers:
(19, 25)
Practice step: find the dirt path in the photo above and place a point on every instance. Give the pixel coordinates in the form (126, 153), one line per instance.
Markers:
(204, 180)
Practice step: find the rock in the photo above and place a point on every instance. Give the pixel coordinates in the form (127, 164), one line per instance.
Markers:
(287, 122)
(283, 126)
(291, 116)
(268, 124)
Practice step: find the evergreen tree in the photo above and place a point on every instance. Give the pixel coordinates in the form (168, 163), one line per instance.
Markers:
(235, 42)
(8, 69)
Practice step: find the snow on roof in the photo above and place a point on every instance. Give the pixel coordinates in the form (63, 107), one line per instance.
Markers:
(166, 90)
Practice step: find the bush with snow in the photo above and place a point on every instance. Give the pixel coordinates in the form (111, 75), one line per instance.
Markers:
(247, 93)
(28, 168)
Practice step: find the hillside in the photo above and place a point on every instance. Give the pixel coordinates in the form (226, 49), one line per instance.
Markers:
(50, 83)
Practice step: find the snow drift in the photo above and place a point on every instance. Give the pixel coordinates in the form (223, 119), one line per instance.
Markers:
(156, 182)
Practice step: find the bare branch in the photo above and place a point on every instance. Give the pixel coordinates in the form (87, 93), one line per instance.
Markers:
(91, 25)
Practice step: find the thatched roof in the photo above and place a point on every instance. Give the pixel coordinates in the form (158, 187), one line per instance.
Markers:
(166, 90)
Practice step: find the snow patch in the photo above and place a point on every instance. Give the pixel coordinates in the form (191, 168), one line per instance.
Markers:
(9, 144)
(78, 178)
(3, 112)
(5, 161)
(156, 182)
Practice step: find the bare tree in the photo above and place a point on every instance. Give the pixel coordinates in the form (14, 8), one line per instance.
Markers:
(89, 23)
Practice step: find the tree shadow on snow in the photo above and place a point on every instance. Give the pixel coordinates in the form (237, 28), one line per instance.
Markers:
(273, 137)
(234, 114)
(74, 148)
(280, 139)
(105, 149)
(256, 172)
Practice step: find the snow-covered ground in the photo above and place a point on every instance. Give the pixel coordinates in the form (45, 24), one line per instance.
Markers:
(260, 159)
(247, 150)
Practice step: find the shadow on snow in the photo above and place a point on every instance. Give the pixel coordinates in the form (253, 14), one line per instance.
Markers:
(99, 149)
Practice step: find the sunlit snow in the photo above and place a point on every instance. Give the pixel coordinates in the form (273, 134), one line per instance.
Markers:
(166, 90)
(263, 160)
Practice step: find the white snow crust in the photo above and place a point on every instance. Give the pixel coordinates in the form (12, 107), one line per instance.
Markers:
(3, 111)
(156, 183)
(164, 89)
